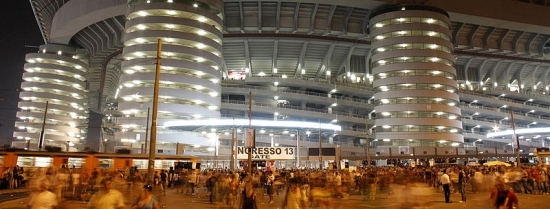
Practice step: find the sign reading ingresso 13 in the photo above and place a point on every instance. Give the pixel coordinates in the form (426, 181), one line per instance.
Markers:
(267, 153)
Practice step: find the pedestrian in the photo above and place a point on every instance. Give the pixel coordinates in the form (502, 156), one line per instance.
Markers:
(248, 199)
(107, 197)
(146, 200)
(446, 182)
(294, 198)
(461, 184)
(503, 198)
(269, 185)
(43, 199)
(163, 181)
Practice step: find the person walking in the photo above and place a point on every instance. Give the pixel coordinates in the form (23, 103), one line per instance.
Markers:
(248, 199)
(163, 182)
(43, 199)
(503, 198)
(269, 185)
(446, 182)
(107, 197)
(294, 198)
(461, 184)
(146, 200)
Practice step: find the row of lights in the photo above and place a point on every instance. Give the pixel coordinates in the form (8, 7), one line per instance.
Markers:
(58, 53)
(172, 1)
(440, 141)
(522, 86)
(262, 131)
(382, 49)
(380, 37)
(58, 61)
(379, 25)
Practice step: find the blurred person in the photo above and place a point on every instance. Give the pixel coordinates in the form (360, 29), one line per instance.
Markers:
(446, 182)
(338, 186)
(233, 189)
(477, 180)
(269, 185)
(453, 176)
(516, 180)
(193, 181)
(525, 181)
(535, 174)
(248, 199)
(107, 197)
(163, 181)
(202, 190)
(43, 198)
(259, 180)
(93, 178)
(211, 183)
(543, 180)
(320, 193)
(294, 198)
(503, 198)
(461, 184)
(373, 188)
(178, 182)
(146, 200)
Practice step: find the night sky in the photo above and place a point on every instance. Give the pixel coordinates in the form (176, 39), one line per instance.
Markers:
(19, 35)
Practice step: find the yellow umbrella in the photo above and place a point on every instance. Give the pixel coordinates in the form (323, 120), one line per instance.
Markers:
(494, 163)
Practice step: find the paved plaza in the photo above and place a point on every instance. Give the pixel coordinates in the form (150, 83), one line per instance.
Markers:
(419, 197)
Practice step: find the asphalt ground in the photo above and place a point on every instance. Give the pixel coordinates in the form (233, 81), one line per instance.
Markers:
(416, 197)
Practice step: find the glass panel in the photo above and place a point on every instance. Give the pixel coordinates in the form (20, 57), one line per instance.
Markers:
(34, 161)
(105, 163)
(76, 162)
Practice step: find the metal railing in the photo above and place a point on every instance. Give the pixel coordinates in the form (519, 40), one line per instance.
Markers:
(290, 107)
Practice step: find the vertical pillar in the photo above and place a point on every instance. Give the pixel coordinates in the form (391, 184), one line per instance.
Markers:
(119, 163)
(10, 159)
(91, 163)
(60, 161)
(298, 149)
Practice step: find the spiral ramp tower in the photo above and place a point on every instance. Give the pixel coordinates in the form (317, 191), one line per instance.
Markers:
(191, 34)
(53, 89)
(414, 77)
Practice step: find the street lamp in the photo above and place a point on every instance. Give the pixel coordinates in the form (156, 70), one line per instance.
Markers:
(500, 121)
(475, 128)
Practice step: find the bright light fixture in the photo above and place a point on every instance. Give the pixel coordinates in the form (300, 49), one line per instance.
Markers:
(255, 123)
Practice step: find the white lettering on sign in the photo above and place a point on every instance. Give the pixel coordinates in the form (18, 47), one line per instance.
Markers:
(267, 153)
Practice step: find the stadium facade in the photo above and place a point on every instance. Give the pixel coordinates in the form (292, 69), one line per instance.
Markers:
(399, 78)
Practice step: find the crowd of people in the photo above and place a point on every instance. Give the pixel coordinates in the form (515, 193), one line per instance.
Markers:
(299, 188)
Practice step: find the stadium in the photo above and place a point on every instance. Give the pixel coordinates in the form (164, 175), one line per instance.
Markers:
(389, 79)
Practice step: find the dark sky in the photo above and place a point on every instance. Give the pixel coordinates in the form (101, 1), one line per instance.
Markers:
(18, 28)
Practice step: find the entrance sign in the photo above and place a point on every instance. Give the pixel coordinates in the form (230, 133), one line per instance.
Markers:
(268, 153)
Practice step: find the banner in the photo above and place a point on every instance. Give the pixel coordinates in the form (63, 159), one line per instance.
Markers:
(250, 140)
(267, 153)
